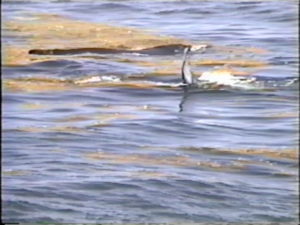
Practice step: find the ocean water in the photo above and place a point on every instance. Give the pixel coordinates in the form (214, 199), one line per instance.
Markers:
(164, 154)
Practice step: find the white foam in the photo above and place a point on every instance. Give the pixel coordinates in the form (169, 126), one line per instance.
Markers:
(95, 79)
(224, 78)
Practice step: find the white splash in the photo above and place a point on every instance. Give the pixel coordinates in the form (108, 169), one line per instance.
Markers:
(95, 79)
(223, 77)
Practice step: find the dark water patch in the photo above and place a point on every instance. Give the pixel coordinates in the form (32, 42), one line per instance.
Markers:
(24, 206)
(183, 217)
(245, 7)
(264, 11)
(150, 93)
(11, 219)
(17, 2)
(177, 12)
(278, 40)
(168, 127)
(163, 50)
(56, 170)
(22, 118)
(106, 6)
(278, 219)
(12, 99)
(41, 195)
(56, 63)
(108, 186)
(268, 192)
(245, 3)
(257, 170)
(21, 71)
(283, 162)
(62, 1)
(61, 110)
(83, 97)
(119, 6)
(46, 97)
(195, 184)
(286, 18)
(220, 198)
(160, 184)
(282, 175)
(281, 60)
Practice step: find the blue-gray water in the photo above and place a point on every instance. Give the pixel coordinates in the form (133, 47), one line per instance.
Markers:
(120, 154)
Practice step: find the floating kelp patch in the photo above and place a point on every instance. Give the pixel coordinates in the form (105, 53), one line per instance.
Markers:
(62, 129)
(37, 84)
(202, 62)
(76, 118)
(151, 160)
(15, 56)
(55, 35)
(62, 33)
(106, 118)
(285, 115)
(98, 119)
(16, 172)
(33, 106)
(18, 56)
(240, 63)
(272, 153)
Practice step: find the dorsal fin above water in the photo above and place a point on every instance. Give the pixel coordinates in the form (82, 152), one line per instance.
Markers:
(186, 74)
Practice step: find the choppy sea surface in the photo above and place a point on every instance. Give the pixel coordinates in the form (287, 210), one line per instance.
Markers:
(161, 155)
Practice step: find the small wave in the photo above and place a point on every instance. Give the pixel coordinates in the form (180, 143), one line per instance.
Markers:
(265, 11)
(284, 60)
(277, 84)
(211, 84)
(99, 7)
(245, 7)
(184, 11)
(112, 80)
(118, 6)
(95, 79)
(284, 18)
